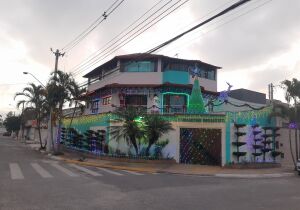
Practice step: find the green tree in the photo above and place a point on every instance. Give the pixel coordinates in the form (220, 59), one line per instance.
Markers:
(76, 92)
(155, 126)
(131, 129)
(292, 93)
(60, 89)
(12, 123)
(35, 99)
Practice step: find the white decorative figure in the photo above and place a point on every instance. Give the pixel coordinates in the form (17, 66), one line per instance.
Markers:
(155, 104)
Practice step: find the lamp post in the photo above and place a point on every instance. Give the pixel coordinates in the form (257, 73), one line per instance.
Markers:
(25, 72)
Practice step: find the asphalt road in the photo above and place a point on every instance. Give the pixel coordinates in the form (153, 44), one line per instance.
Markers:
(28, 180)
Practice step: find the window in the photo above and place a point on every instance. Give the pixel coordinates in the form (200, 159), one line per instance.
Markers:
(106, 100)
(94, 106)
(175, 103)
(136, 100)
(208, 74)
(140, 66)
(175, 66)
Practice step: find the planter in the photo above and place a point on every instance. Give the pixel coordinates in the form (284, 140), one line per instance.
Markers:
(257, 146)
(239, 125)
(267, 141)
(256, 154)
(266, 135)
(256, 132)
(240, 133)
(275, 153)
(265, 150)
(239, 154)
(238, 144)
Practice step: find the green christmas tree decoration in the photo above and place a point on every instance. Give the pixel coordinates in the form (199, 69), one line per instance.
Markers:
(196, 103)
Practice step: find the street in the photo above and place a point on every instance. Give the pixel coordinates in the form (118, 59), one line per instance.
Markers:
(29, 180)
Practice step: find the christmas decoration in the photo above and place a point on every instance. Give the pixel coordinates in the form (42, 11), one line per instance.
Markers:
(196, 104)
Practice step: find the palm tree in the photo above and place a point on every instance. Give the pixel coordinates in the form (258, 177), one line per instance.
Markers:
(292, 92)
(59, 91)
(76, 92)
(155, 126)
(34, 97)
(131, 128)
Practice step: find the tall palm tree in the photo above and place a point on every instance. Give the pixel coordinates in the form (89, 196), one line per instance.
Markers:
(131, 129)
(34, 97)
(155, 126)
(76, 92)
(292, 92)
(59, 90)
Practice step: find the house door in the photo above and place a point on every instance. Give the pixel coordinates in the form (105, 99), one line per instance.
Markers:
(200, 146)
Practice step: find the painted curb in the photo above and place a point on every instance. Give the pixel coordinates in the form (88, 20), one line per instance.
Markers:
(110, 166)
(251, 176)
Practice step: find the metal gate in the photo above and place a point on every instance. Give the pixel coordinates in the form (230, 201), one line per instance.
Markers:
(200, 146)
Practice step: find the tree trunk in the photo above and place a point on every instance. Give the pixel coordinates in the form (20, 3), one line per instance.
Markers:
(39, 131)
(73, 115)
(291, 148)
(296, 144)
(58, 126)
(148, 149)
(133, 141)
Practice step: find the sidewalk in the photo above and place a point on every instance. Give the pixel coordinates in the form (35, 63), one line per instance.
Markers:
(183, 169)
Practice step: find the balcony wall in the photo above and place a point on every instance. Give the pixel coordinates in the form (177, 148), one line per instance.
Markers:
(128, 78)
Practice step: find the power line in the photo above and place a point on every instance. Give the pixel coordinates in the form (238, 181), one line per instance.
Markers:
(230, 8)
(237, 16)
(137, 33)
(219, 26)
(94, 25)
(104, 56)
(93, 55)
(130, 33)
(200, 18)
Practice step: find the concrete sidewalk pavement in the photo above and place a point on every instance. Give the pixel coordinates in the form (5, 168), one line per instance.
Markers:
(183, 169)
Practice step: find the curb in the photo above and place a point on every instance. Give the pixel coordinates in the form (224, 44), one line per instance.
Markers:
(110, 166)
(251, 176)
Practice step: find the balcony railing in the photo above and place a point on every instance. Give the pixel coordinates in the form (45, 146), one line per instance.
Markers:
(172, 109)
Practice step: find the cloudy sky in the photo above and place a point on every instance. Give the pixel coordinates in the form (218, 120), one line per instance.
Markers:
(256, 44)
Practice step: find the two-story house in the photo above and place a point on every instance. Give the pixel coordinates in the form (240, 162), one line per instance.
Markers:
(138, 79)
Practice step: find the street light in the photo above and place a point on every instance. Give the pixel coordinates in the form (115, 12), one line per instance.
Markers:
(25, 72)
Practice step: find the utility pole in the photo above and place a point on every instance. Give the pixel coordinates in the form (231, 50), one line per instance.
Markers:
(57, 54)
(271, 92)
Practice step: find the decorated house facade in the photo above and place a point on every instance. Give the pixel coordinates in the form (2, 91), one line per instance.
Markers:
(146, 80)
(210, 127)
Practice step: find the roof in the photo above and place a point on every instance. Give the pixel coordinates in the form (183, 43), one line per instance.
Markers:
(142, 56)
(248, 95)
(190, 86)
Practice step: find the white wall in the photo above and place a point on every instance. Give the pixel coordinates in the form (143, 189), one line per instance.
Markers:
(172, 150)
(210, 85)
(128, 78)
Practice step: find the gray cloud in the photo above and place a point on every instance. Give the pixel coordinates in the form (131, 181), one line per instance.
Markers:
(253, 38)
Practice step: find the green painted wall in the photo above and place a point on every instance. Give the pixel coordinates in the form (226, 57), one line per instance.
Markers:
(177, 77)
